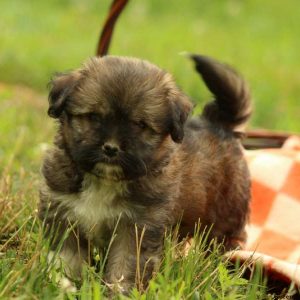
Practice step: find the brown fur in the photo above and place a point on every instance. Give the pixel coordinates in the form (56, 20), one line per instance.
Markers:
(166, 167)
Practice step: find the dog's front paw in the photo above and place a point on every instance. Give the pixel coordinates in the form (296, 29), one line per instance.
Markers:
(120, 285)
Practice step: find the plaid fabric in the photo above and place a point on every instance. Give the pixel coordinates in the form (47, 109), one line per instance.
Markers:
(274, 229)
(275, 210)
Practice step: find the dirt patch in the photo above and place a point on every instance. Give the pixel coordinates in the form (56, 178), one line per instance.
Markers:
(21, 95)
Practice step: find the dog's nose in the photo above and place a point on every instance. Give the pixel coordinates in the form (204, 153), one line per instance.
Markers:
(110, 150)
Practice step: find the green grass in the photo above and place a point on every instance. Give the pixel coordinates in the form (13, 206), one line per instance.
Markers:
(37, 38)
(197, 274)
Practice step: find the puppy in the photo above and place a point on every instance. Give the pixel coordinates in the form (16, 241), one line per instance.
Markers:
(126, 158)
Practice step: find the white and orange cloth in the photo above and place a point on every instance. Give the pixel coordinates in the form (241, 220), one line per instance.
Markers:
(274, 229)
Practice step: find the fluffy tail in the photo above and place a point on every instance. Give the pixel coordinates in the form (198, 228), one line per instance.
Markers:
(231, 106)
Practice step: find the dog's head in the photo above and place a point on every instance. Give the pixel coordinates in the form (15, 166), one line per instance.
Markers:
(118, 115)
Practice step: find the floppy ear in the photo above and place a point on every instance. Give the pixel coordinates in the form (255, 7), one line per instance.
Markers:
(180, 109)
(61, 87)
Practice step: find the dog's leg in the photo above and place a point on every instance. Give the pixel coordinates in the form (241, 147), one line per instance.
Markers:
(72, 255)
(134, 255)
(68, 257)
(68, 248)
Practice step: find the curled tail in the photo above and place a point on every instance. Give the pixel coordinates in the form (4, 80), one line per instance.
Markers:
(231, 106)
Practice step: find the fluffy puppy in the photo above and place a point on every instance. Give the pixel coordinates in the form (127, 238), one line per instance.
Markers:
(125, 152)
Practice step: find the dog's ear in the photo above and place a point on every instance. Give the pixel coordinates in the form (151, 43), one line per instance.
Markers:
(61, 88)
(180, 109)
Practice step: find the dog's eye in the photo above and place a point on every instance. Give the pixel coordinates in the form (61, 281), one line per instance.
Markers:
(94, 117)
(141, 124)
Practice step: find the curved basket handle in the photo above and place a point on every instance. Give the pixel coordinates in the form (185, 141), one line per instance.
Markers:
(116, 8)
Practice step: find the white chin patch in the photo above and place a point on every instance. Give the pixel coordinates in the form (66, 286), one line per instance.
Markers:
(109, 172)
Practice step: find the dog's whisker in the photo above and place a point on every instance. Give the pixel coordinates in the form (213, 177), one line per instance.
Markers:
(145, 167)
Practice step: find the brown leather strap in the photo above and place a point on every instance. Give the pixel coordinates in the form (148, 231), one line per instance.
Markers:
(116, 8)
(260, 139)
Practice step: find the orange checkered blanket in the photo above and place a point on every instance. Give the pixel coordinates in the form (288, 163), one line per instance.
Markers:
(274, 229)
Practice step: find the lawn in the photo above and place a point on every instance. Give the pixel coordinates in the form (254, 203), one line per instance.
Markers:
(38, 38)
